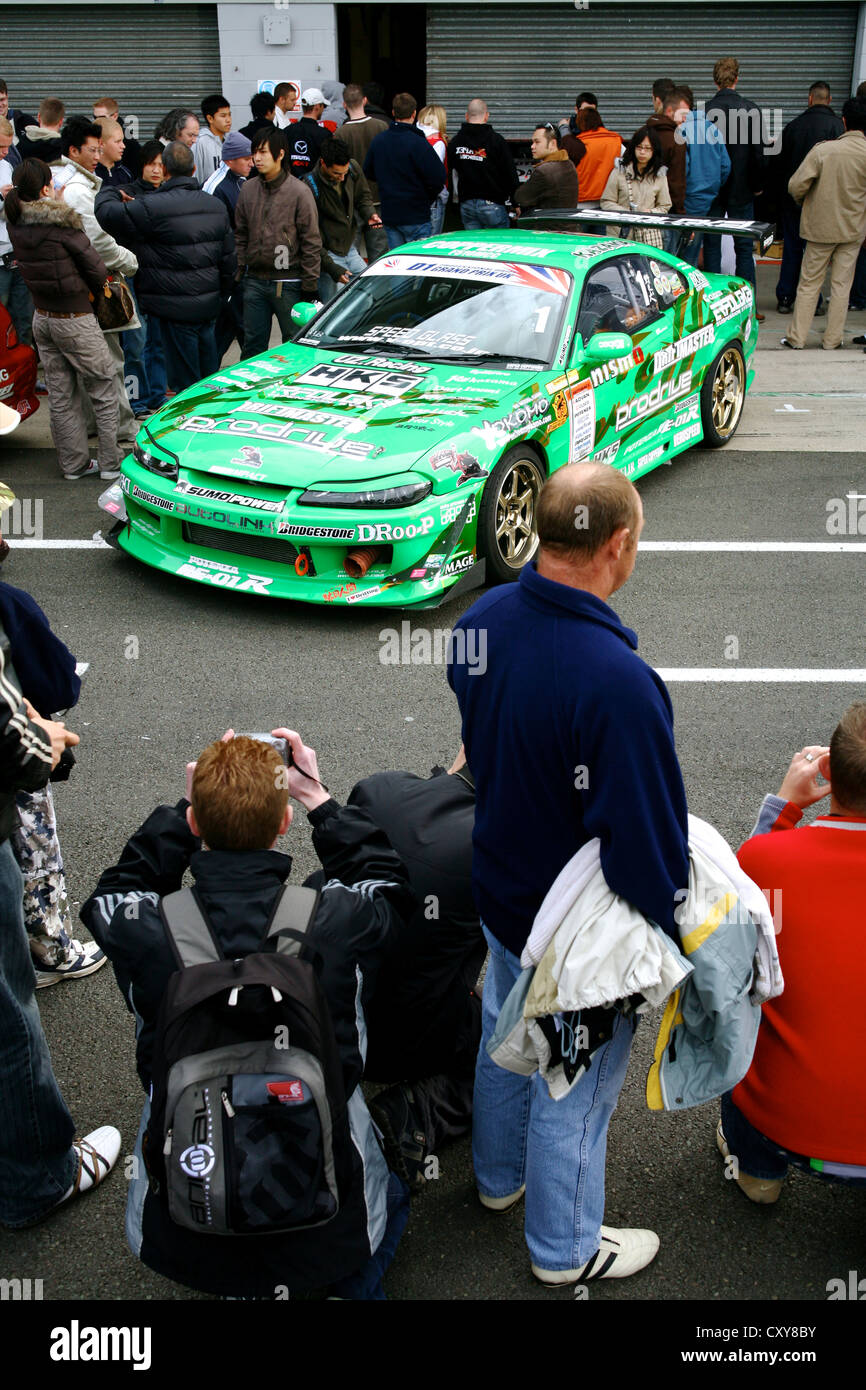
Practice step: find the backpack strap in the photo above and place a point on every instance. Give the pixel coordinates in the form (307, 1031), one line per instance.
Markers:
(294, 911)
(188, 929)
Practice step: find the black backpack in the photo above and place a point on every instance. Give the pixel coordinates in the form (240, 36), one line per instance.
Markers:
(248, 1131)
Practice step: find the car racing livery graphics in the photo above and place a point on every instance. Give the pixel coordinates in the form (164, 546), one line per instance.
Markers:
(392, 453)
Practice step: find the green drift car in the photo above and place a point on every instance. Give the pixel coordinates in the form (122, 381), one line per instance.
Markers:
(393, 453)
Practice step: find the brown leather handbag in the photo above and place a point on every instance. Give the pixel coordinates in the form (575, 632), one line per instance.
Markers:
(114, 306)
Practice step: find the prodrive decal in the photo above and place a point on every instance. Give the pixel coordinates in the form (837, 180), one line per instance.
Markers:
(658, 396)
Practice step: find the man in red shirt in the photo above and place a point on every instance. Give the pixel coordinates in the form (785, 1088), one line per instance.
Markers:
(803, 1100)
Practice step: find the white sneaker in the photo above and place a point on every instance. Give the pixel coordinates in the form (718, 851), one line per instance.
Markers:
(621, 1253)
(88, 472)
(501, 1203)
(109, 474)
(84, 959)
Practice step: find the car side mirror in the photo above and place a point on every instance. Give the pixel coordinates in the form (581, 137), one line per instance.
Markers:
(303, 313)
(604, 347)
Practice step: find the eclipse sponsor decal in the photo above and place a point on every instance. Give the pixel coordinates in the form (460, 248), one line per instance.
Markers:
(324, 533)
(609, 371)
(683, 347)
(658, 396)
(234, 499)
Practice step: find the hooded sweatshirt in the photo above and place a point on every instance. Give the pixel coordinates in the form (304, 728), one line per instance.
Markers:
(482, 161)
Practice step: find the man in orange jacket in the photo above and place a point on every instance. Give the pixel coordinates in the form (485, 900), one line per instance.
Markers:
(603, 148)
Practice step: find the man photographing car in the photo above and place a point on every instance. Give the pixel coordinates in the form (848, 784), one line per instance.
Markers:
(227, 836)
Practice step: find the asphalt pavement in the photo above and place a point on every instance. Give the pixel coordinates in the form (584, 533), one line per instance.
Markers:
(172, 664)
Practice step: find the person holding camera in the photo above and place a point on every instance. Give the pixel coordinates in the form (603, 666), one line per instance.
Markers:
(41, 1165)
(226, 835)
(802, 1102)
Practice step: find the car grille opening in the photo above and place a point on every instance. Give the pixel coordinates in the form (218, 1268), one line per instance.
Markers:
(280, 552)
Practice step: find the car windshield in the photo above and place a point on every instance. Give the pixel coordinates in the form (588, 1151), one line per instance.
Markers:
(448, 311)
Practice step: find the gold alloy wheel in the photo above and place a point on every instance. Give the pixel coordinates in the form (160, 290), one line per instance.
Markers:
(729, 390)
(516, 507)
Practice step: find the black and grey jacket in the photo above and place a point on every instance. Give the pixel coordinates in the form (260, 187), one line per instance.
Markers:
(365, 899)
(25, 748)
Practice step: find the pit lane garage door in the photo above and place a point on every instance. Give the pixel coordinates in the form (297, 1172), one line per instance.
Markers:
(148, 57)
(529, 61)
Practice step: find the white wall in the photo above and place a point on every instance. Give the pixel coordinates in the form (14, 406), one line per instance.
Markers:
(246, 59)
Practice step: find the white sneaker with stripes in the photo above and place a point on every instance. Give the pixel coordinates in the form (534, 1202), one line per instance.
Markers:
(621, 1253)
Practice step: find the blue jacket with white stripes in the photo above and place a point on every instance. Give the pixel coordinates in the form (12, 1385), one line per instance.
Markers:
(365, 900)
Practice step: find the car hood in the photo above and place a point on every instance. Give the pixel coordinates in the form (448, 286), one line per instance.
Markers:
(296, 417)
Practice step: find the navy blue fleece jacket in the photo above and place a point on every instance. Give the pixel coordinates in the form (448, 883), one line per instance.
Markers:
(569, 735)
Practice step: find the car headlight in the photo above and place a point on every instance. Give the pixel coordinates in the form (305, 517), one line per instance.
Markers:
(155, 463)
(404, 495)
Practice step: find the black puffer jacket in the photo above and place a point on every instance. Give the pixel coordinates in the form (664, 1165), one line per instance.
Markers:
(57, 262)
(184, 244)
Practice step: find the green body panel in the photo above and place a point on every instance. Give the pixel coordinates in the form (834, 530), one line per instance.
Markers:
(252, 438)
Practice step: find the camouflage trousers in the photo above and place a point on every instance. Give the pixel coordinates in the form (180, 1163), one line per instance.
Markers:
(46, 905)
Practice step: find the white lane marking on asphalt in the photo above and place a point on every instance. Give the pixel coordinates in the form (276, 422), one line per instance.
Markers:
(794, 675)
(804, 547)
(96, 543)
(792, 409)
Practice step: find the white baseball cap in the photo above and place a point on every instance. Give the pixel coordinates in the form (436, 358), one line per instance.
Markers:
(313, 97)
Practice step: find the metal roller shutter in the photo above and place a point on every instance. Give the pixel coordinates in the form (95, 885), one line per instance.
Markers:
(529, 61)
(150, 58)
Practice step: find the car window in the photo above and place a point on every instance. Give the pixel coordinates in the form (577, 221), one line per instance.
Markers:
(617, 297)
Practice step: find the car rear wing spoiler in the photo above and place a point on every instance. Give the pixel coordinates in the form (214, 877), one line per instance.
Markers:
(575, 220)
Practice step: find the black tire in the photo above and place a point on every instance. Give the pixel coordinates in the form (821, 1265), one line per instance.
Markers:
(722, 396)
(507, 519)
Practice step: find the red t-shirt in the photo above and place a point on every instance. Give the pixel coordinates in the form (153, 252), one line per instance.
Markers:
(806, 1087)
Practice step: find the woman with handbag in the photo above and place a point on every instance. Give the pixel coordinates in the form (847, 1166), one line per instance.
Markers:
(64, 275)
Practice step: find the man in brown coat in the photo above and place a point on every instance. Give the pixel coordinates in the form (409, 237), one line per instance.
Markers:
(278, 243)
(676, 102)
(830, 184)
(553, 181)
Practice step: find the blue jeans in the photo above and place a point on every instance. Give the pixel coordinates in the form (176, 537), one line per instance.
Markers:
(37, 1161)
(134, 343)
(414, 232)
(353, 261)
(261, 302)
(745, 256)
(557, 1147)
(760, 1157)
(154, 362)
(478, 213)
(15, 295)
(437, 216)
(190, 352)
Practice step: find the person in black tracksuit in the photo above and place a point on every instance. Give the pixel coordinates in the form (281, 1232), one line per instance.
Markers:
(365, 901)
(424, 1019)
